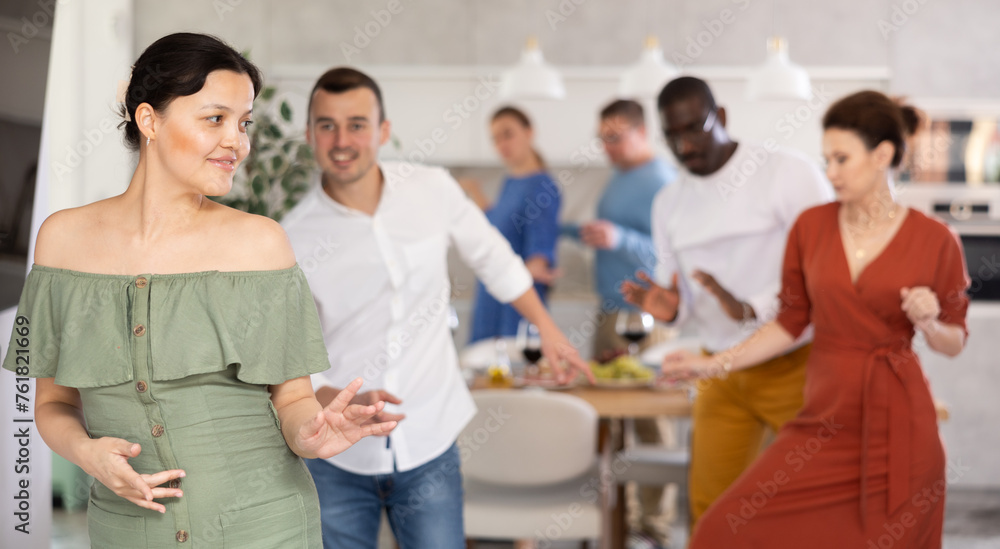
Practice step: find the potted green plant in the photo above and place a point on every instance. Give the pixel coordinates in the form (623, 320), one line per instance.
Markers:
(277, 171)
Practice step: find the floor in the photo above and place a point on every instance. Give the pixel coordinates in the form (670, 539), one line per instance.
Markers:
(972, 521)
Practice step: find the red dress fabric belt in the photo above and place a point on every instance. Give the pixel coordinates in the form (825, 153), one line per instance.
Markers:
(901, 361)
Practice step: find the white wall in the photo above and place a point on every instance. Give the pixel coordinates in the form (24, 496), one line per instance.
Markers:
(933, 48)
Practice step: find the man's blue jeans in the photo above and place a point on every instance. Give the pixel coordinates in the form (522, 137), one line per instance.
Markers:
(424, 505)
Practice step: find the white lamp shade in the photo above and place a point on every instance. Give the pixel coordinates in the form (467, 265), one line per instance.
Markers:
(778, 77)
(532, 77)
(647, 77)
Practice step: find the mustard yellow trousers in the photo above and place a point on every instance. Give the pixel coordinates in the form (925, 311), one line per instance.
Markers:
(731, 417)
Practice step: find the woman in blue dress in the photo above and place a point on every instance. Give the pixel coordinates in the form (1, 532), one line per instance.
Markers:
(526, 212)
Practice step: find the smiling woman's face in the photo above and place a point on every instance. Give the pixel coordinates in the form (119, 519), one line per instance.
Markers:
(201, 138)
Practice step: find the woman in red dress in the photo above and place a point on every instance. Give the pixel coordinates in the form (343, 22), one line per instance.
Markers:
(862, 465)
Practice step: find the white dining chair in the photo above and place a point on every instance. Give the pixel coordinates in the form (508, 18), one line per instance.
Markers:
(658, 465)
(530, 467)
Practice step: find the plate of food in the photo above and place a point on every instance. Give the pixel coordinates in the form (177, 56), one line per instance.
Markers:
(622, 372)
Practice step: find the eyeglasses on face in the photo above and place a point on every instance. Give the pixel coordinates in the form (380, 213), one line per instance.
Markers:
(615, 137)
(692, 132)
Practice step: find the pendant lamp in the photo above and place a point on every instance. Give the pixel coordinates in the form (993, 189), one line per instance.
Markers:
(647, 77)
(778, 77)
(532, 77)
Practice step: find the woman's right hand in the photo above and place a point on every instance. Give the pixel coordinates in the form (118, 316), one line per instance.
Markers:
(108, 463)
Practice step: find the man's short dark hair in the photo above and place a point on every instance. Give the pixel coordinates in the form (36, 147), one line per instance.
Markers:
(683, 88)
(342, 79)
(627, 109)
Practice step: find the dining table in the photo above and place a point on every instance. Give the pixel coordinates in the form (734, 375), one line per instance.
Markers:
(615, 405)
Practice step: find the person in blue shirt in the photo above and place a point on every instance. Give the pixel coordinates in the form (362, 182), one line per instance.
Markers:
(527, 214)
(620, 235)
(621, 239)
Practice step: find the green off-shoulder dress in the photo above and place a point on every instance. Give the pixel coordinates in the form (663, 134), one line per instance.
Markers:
(180, 363)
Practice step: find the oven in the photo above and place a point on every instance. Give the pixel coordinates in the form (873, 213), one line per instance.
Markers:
(974, 213)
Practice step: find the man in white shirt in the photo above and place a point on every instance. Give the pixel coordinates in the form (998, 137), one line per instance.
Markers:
(373, 239)
(719, 233)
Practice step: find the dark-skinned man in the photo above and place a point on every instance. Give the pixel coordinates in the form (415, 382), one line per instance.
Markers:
(719, 233)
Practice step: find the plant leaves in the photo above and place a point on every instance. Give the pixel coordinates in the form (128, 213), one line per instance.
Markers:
(286, 111)
(258, 185)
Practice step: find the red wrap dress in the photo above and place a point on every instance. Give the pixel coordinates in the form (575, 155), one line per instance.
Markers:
(862, 465)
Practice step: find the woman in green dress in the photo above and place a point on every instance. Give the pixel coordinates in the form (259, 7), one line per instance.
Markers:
(173, 337)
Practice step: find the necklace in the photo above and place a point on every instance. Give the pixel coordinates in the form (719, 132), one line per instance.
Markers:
(859, 251)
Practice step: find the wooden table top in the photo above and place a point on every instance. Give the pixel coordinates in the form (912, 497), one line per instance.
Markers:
(646, 402)
(624, 403)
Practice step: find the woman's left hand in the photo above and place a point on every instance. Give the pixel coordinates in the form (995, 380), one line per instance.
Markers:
(920, 304)
(686, 365)
(341, 424)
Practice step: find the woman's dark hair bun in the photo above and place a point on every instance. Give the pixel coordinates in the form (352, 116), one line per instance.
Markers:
(175, 66)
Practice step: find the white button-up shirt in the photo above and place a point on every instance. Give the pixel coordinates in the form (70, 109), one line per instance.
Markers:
(733, 225)
(382, 290)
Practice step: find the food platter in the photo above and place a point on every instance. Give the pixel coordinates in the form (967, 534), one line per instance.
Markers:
(622, 372)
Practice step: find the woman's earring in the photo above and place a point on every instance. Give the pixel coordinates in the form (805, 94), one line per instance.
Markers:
(147, 141)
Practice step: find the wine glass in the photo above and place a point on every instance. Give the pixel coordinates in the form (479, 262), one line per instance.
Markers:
(634, 326)
(529, 340)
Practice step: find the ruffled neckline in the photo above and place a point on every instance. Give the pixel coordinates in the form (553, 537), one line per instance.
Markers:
(193, 274)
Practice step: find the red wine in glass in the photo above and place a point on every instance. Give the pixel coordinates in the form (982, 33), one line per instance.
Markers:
(634, 337)
(529, 340)
(634, 326)
(532, 355)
